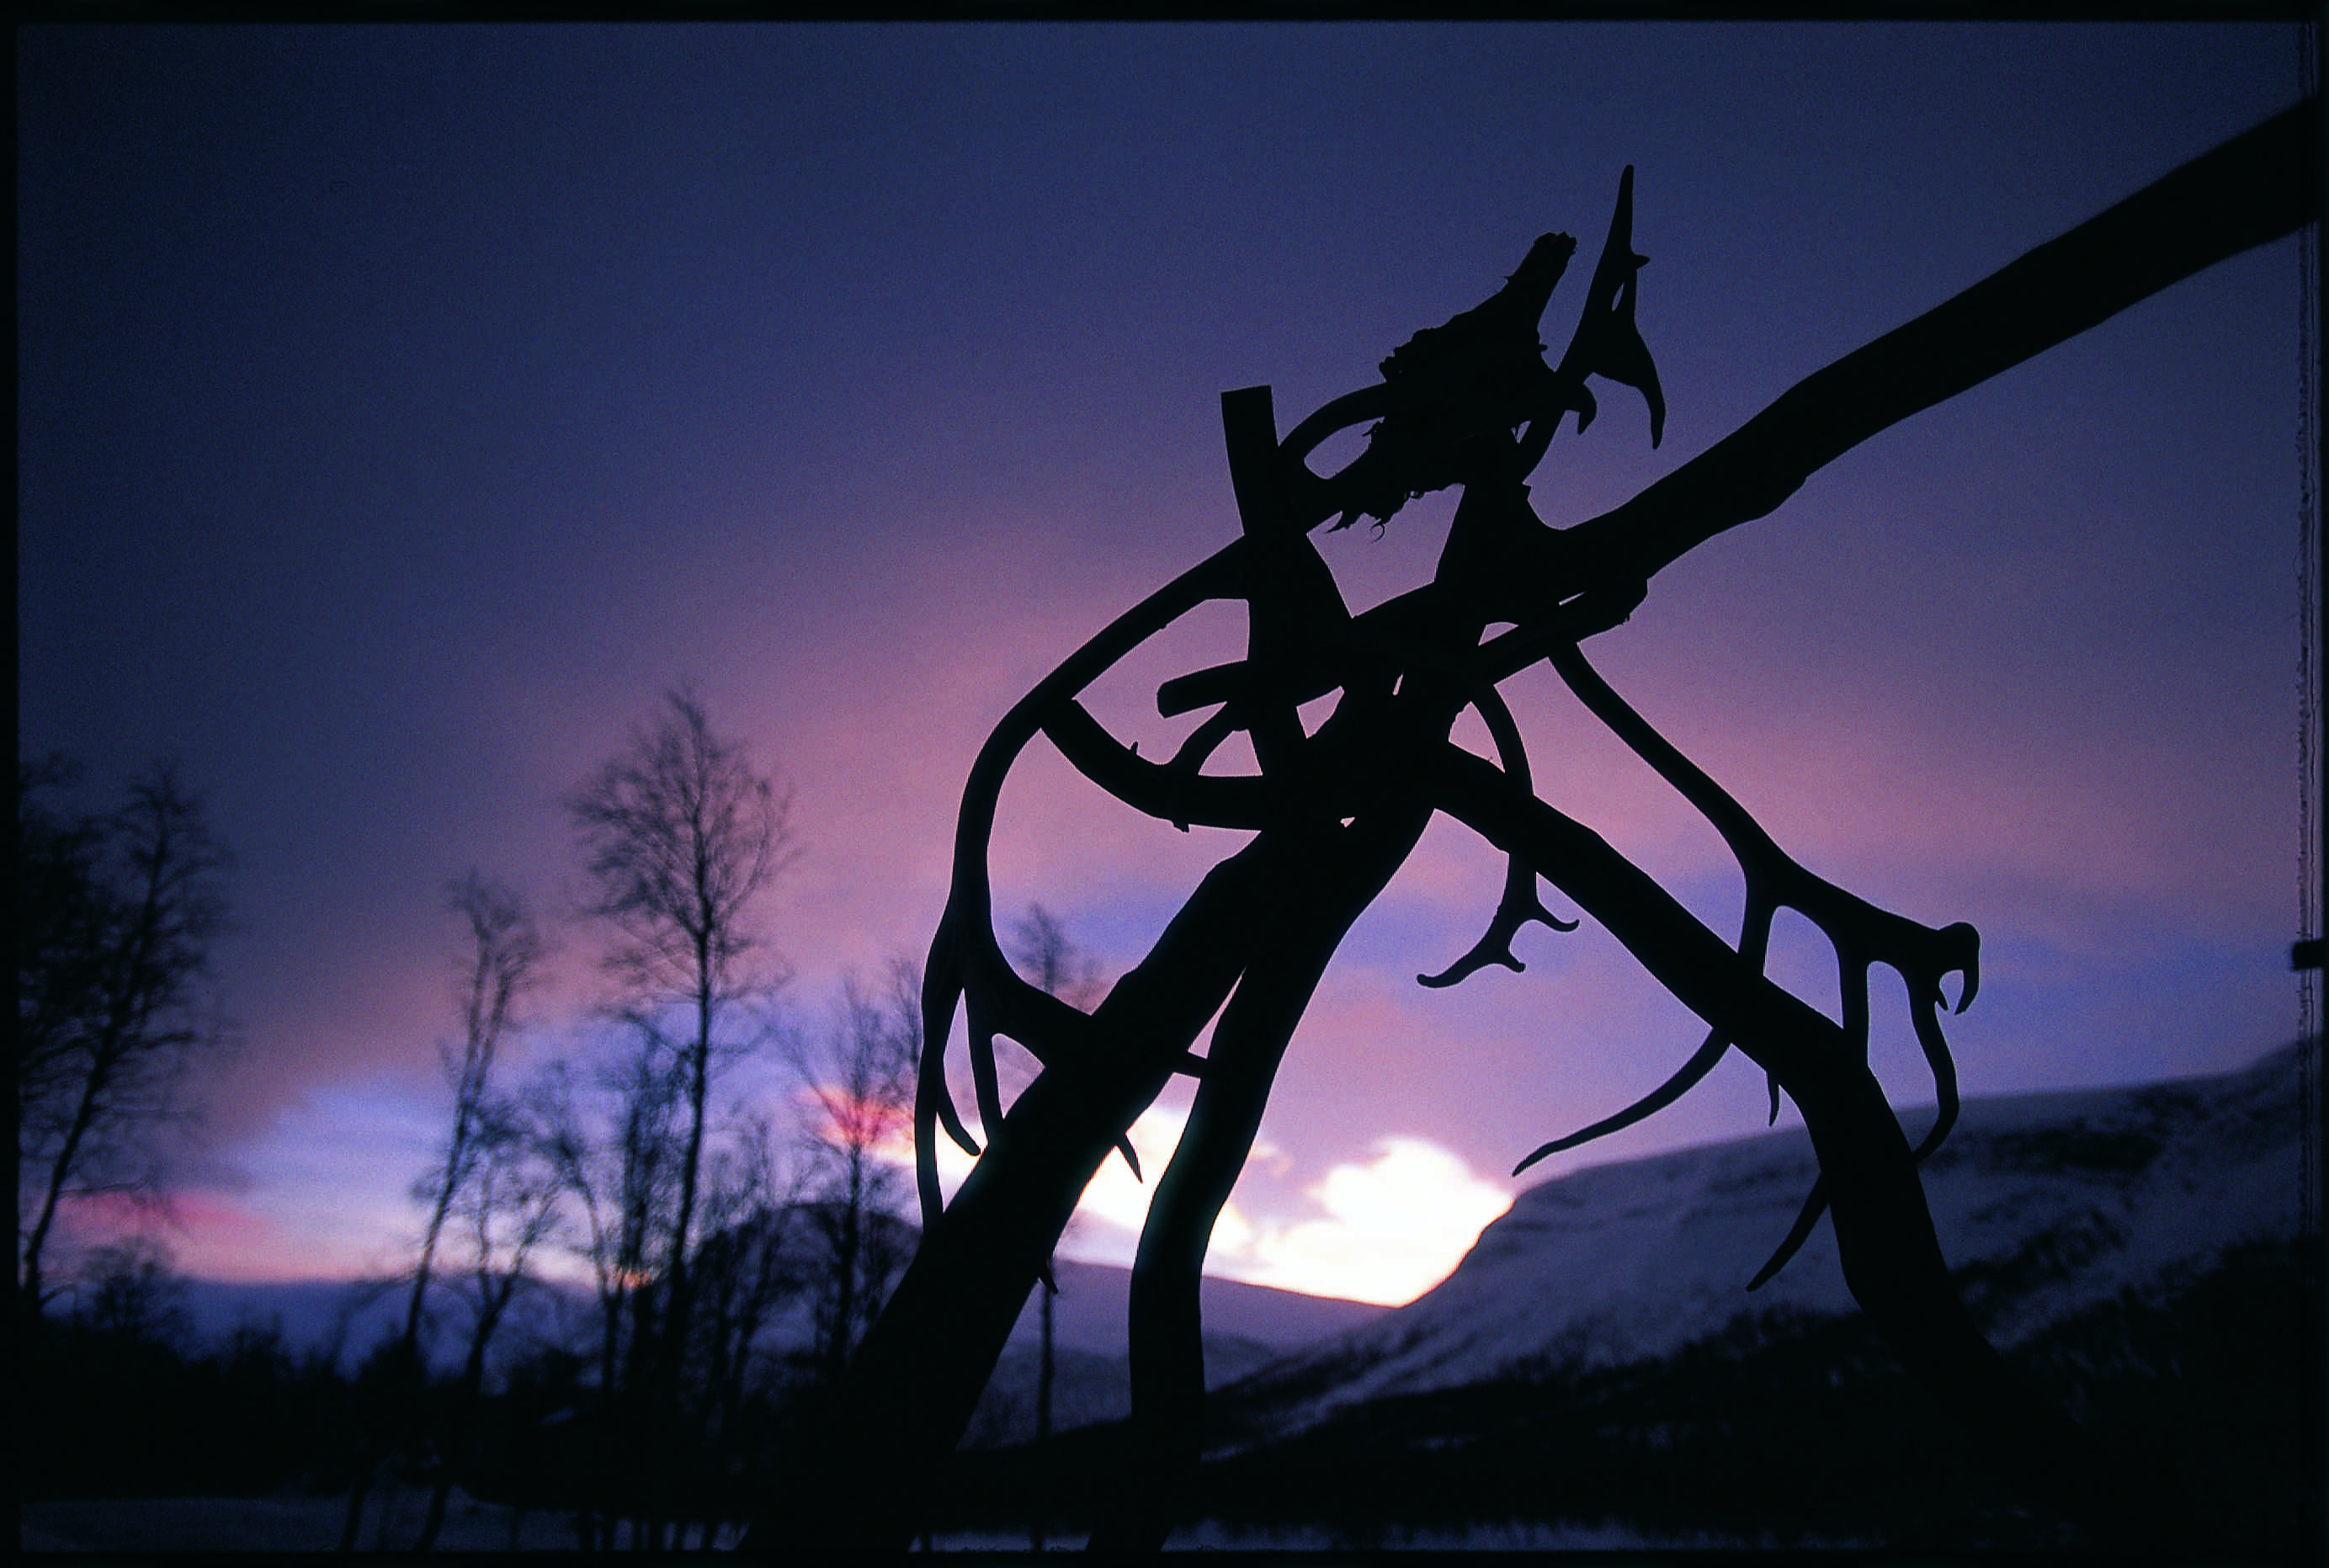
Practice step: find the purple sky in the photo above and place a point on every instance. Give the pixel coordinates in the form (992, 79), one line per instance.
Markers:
(402, 410)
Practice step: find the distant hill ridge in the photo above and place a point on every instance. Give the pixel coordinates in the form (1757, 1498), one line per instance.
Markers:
(1252, 1324)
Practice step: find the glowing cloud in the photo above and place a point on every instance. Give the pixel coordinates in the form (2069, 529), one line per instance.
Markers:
(1390, 1227)
(1114, 1197)
(1393, 1227)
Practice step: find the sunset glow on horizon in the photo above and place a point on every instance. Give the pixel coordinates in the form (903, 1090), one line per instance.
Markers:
(1384, 1229)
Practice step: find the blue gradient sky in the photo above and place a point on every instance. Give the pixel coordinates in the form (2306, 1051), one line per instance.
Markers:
(402, 410)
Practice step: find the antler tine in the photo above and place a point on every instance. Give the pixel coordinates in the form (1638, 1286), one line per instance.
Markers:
(1606, 343)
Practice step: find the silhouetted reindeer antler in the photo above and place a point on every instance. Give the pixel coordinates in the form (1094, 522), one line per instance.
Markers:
(1333, 814)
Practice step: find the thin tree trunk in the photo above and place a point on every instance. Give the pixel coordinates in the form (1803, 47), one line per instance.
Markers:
(405, 1376)
(1043, 1410)
(845, 1266)
(492, 1302)
(84, 1117)
(127, 1014)
(605, 1449)
(633, 1440)
(358, 1490)
(435, 1230)
(678, 1311)
(126, 1019)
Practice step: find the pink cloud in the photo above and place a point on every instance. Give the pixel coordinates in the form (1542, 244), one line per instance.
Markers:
(209, 1236)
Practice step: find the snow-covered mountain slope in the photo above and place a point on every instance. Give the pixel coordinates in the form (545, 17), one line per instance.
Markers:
(2044, 1204)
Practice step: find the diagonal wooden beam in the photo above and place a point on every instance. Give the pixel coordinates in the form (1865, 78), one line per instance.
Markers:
(2261, 185)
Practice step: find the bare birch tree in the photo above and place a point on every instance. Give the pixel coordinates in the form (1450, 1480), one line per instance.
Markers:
(115, 996)
(1048, 955)
(682, 836)
(507, 1204)
(751, 1262)
(859, 1075)
(499, 963)
(612, 1143)
(502, 962)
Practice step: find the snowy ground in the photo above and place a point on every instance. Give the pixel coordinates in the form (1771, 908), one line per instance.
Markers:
(147, 1525)
(291, 1524)
(1515, 1535)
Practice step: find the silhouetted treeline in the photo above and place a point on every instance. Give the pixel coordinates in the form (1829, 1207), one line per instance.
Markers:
(125, 1405)
(126, 1401)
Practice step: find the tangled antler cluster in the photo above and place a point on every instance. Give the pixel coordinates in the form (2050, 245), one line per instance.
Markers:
(1333, 814)
(1472, 404)
(1450, 403)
